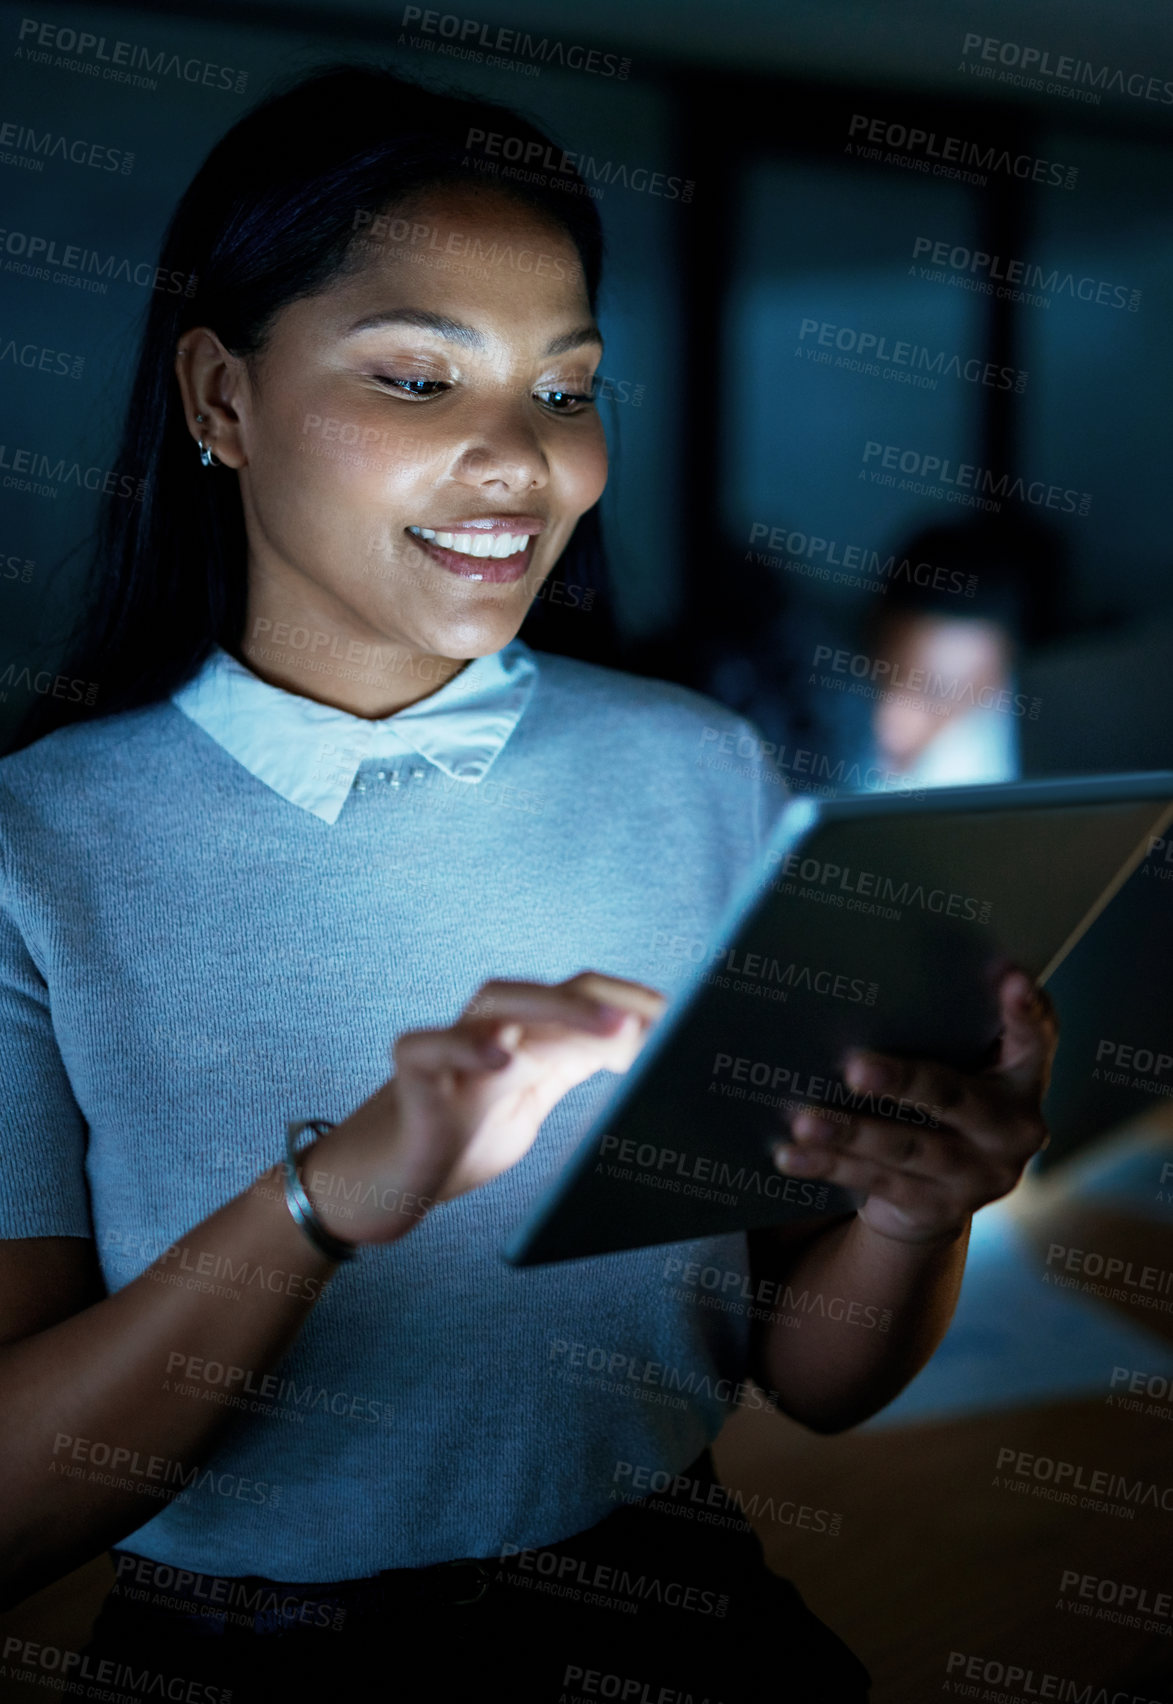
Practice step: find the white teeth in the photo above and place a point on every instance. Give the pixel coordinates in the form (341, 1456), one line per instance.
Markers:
(495, 545)
(508, 544)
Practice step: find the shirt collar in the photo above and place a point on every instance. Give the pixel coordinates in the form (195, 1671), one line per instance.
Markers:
(310, 753)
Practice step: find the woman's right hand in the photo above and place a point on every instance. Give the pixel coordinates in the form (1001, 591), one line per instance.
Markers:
(465, 1103)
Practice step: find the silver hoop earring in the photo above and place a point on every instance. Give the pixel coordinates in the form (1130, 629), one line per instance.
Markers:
(207, 458)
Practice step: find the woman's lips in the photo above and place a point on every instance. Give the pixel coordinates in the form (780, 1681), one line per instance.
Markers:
(514, 536)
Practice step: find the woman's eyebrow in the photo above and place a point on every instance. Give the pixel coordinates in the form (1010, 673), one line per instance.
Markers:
(467, 335)
(422, 321)
(575, 340)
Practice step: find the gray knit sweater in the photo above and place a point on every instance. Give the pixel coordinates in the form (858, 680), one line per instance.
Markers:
(188, 960)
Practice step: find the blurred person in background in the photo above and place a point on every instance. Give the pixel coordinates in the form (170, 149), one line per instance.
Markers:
(946, 640)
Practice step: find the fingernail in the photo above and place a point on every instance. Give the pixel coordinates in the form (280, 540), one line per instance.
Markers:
(806, 1125)
(510, 1036)
(613, 1016)
(793, 1159)
(870, 1071)
(495, 1057)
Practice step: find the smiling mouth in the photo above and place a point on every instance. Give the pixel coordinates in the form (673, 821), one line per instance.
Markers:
(494, 558)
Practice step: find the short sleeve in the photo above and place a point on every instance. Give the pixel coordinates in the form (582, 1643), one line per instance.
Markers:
(43, 1190)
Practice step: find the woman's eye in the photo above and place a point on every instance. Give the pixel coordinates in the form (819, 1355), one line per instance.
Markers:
(565, 402)
(411, 387)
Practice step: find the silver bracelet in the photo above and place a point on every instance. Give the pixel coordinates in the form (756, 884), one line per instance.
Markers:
(298, 1201)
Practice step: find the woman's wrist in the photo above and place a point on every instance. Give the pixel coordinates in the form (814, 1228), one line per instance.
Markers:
(352, 1182)
(917, 1241)
(302, 1210)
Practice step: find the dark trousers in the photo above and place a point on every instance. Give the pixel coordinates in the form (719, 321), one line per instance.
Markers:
(668, 1599)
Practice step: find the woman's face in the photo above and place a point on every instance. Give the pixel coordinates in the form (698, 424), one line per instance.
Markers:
(416, 443)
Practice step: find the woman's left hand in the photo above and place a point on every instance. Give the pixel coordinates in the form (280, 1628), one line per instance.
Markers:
(922, 1183)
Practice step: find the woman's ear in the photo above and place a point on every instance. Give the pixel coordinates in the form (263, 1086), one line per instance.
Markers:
(214, 385)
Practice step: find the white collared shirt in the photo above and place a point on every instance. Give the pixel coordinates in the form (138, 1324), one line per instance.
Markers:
(311, 753)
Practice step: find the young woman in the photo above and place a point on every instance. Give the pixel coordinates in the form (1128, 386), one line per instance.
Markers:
(334, 845)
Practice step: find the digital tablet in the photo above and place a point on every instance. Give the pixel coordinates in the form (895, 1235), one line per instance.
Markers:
(1114, 995)
(878, 921)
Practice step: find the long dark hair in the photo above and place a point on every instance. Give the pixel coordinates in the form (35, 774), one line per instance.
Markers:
(270, 217)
